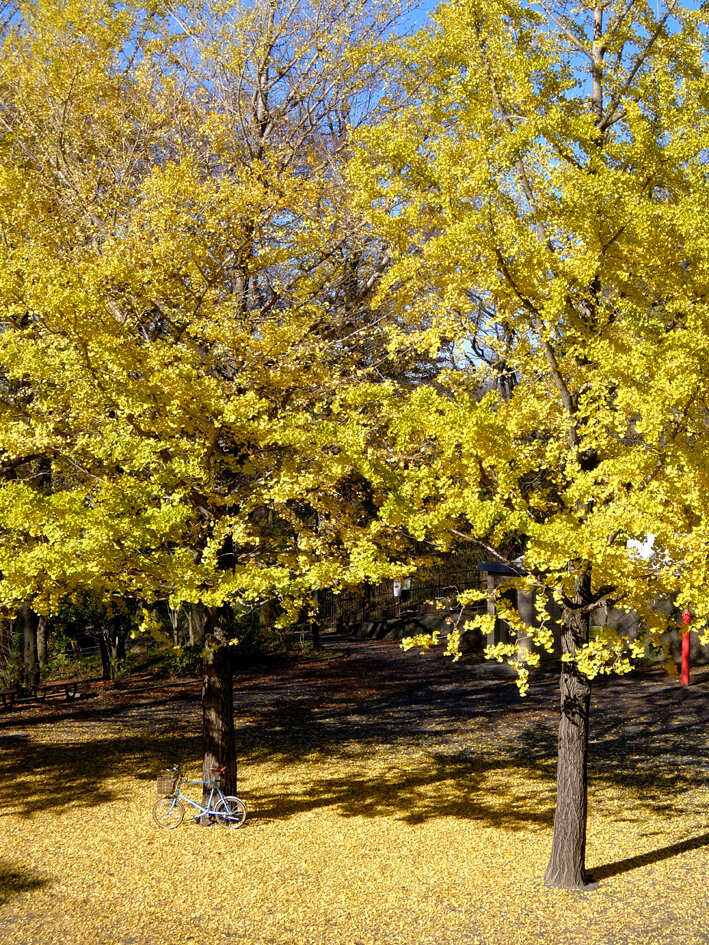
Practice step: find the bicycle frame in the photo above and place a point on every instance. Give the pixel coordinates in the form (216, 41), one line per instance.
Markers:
(214, 788)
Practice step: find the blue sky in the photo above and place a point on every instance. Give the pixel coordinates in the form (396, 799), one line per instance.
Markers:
(420, 15)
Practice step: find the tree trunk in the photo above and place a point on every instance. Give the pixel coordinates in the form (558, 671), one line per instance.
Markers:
(42, 635)
(30, 673)
(567, 863)
(218, 706)
(196, 622)
(113, 659)
(105, 655)
(174, 615)
(117, 653)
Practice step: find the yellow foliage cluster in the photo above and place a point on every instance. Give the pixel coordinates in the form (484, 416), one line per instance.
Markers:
(183, 280)
(544, 192)
(284, 297)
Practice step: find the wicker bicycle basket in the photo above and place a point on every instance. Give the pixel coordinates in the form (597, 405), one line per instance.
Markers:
(166, 783)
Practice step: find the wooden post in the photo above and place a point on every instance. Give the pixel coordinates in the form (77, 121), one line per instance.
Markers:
(491, 637)
(686, 618)
(527, 610)
(685, 659)
(30, 666)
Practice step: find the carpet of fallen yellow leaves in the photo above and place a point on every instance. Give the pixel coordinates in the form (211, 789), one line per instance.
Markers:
(377, 815)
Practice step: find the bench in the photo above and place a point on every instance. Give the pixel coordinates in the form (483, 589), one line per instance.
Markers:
(12, 697)
(8, 697)
(70, 687)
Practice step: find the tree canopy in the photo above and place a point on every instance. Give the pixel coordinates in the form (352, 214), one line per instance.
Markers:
(547, 215)
(186, 295)
(542, 184)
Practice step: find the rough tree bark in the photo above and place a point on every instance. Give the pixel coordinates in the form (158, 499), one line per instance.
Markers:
(218, 704)
(118, 652)
(567, 863)
(42, 637)
(105, 656)
(30, 666)
(196, 622)
(112, 646)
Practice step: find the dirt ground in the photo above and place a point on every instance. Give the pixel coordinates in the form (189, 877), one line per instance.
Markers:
(393, 798)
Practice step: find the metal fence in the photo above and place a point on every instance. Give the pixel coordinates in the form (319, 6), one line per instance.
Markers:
(374, 602)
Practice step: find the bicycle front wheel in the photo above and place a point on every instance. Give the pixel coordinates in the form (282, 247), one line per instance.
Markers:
(231, 812)
(168, 812)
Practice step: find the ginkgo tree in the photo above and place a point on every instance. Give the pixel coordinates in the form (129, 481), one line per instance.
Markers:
(185, 295)
(541, 184)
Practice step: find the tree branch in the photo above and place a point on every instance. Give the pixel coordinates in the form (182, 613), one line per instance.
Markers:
(605, 123)
(574, 40)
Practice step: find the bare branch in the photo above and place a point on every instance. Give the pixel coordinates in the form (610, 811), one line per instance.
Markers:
(574, 40)
(640, 60)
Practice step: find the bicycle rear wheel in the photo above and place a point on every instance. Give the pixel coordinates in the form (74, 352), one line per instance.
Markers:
(168, 812)
(231, 812)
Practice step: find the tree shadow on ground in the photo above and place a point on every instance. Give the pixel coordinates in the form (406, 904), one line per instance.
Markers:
(646, 859)
(40, 774)
(79, 774)
(421, 770)
(437, 740)
(469, 728)
(16, 880)
(440, 787)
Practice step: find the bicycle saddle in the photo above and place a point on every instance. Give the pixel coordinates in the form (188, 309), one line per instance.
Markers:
(223, 768)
